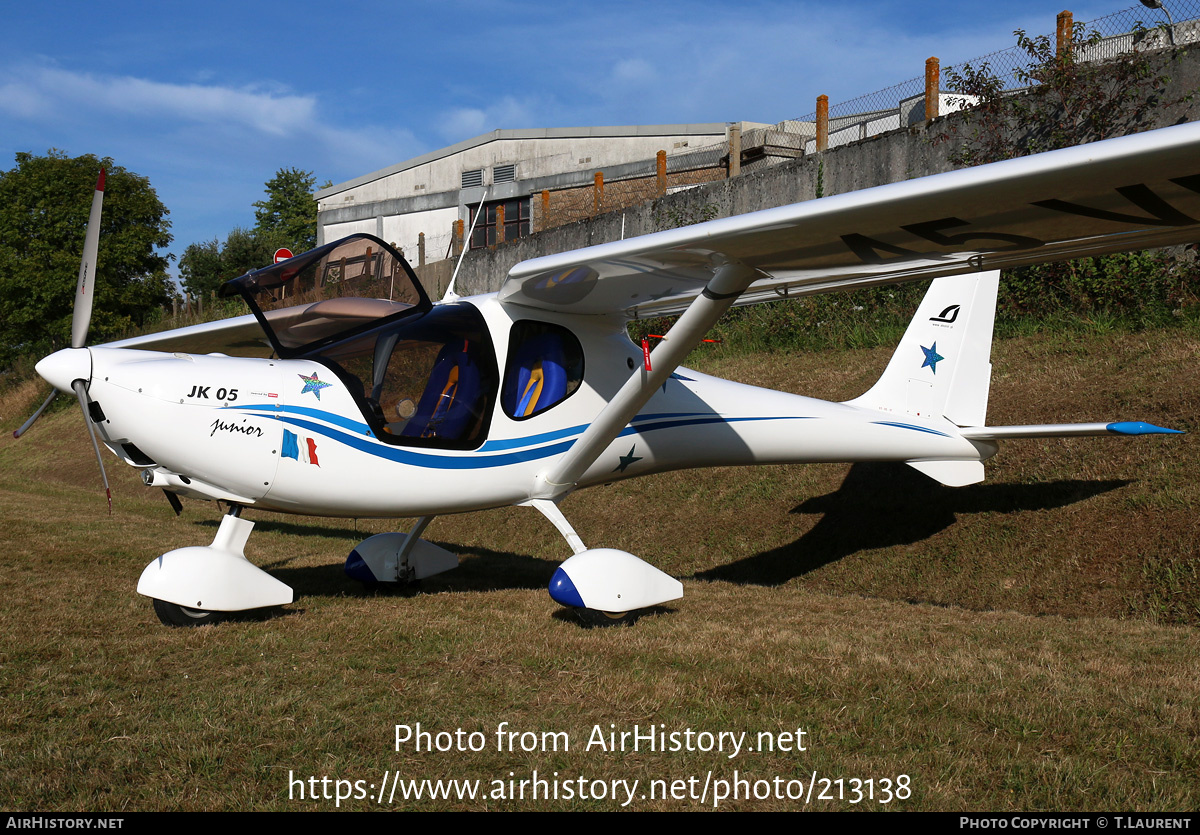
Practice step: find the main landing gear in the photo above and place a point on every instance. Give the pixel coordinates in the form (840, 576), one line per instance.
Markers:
(604, 586)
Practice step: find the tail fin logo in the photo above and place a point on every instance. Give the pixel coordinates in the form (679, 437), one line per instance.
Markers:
(948, 316)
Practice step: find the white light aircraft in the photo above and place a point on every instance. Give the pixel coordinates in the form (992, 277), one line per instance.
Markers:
(405, 407)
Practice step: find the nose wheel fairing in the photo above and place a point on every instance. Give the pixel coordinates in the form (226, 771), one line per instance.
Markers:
(215, 577)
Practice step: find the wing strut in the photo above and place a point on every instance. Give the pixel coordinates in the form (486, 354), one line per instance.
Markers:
(729, 282)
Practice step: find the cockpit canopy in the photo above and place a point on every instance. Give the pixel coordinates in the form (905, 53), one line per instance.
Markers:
(330, 293)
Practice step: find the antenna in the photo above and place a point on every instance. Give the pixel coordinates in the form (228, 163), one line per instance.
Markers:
(450, 294)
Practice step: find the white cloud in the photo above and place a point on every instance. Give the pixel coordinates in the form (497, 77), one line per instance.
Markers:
(266, 110)
(507, 112)
(462, 123)
(61, 92)
(634, 70)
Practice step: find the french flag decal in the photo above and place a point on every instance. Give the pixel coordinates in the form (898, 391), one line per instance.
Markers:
(299, 447)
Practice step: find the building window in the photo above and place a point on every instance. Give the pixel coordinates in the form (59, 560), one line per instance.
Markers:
(504, 174)
(516, 222)
(471, 179)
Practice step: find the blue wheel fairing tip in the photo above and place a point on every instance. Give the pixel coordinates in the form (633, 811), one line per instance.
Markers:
(563, 590)
(356, 569)
(1139, 427)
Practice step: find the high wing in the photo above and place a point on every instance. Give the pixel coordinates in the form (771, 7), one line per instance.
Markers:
(1122, 194)
(239, 336)
(244, 336)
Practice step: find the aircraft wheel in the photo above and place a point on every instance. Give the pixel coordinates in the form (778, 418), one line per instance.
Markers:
(172, 614)
(408, 588)
(594, 618)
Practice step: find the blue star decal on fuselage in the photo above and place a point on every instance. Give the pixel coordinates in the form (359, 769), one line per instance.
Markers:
(626, 460)
(313, 384)
(932, 357)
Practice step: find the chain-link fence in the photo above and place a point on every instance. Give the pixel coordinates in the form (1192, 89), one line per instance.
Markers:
(636, 183)
(903, 104)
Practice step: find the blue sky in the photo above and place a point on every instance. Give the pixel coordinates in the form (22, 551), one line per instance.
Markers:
(209, 99)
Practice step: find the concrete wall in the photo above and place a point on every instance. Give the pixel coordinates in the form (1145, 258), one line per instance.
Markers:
(918, 151)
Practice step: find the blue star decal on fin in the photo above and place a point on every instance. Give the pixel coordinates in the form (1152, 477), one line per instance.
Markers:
(932, 357)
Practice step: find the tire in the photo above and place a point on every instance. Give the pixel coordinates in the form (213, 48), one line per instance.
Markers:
(172, 614)
(410, 588)
(595, 619)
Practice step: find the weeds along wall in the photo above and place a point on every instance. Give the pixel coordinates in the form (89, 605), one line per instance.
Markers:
(924, 149)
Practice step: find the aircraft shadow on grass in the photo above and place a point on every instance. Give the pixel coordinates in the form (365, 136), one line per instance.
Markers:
(486, 570)
(881, 505)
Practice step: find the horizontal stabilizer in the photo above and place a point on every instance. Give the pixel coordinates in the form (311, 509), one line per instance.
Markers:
(1065, 430)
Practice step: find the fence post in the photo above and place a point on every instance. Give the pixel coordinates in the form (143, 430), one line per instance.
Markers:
(500, 224)
(661, 170)
(421, 249)
(597, 192)
(735, 150)
(822, 123)
(933, 72)
(1066, 34)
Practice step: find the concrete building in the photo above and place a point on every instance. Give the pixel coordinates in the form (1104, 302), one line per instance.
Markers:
(526, 175)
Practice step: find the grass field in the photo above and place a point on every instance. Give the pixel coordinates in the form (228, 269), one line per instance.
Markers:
(1029, 643)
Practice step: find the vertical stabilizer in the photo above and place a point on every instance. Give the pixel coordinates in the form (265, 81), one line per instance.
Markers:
(942, 367)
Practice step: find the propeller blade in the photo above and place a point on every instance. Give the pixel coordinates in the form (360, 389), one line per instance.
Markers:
(24, 426)
(85, 287)
(176, 505)
(80, 388)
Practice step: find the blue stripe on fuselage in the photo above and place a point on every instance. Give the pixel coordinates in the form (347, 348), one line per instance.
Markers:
(477, 459)
(909, 426)
(275, 411)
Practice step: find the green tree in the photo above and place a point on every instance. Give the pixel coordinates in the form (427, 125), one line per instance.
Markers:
(204, 267)
(44, 205)
(200, 268)
(246, 250)
(288, 217)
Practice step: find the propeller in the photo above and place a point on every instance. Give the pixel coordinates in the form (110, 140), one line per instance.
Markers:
(67, 360)
(21, 431)
(84, 287)
(80, 388)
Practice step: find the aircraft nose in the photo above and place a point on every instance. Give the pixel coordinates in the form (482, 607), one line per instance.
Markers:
(64, 367)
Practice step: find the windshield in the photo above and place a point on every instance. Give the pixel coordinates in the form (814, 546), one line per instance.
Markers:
(332, 292)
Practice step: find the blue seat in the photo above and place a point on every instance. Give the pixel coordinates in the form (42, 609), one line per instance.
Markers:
(448, 407)
(536, 378)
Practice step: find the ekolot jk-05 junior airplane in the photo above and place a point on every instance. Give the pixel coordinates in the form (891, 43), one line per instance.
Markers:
(405, 407)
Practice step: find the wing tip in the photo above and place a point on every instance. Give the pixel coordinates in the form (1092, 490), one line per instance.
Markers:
(1140, 427)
